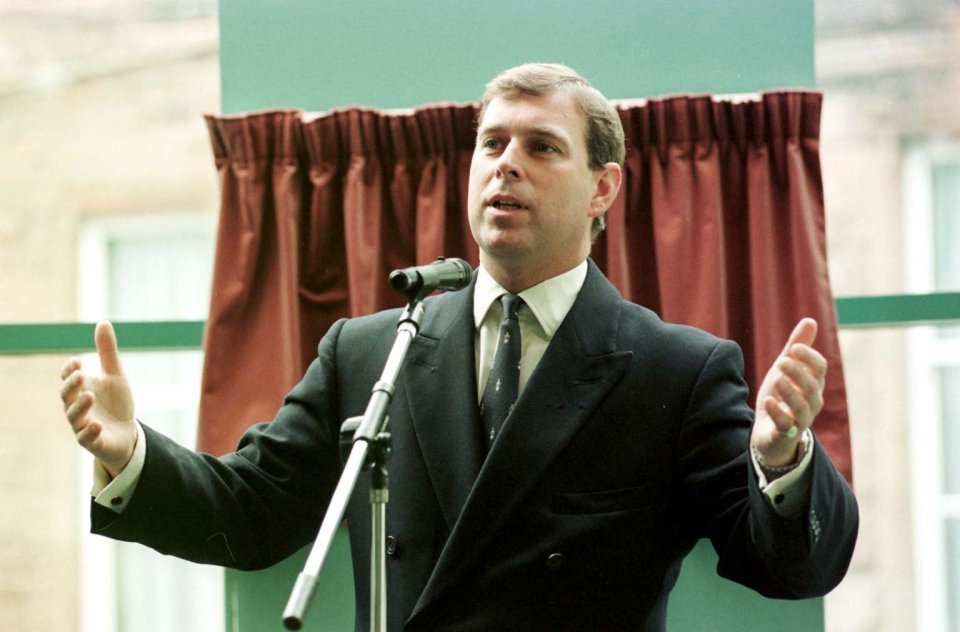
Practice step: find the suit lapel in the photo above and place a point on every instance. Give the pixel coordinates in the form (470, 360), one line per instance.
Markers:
(576, 372)
(441, 384)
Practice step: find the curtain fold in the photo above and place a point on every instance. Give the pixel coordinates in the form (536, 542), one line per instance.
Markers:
(719, 224)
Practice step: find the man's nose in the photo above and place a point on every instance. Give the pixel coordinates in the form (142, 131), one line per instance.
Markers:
(508, 164)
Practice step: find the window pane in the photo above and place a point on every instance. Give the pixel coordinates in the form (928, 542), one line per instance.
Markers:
(946, 217)
(160, 278)
(953, 573)
(147, 599)
(950, 400)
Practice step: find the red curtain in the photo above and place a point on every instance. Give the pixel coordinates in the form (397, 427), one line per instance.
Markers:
(720, 224)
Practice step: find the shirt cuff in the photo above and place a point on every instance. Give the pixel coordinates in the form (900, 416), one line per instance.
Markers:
(790, 493)
(115, 494)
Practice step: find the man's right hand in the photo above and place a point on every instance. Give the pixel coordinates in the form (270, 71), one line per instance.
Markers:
(100, 407)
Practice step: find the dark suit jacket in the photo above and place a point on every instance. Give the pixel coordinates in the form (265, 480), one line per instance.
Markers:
(627, 445)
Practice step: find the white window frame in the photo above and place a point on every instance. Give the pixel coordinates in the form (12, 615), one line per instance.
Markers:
(99, 603)
(927, 354)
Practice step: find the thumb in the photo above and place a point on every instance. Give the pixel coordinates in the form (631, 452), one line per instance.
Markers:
(805, 333)
(106, 341)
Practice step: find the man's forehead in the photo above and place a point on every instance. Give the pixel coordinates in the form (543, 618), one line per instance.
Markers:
(554, 114)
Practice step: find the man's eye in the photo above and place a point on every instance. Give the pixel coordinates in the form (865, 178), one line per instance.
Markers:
(490, 143)
(542, 148)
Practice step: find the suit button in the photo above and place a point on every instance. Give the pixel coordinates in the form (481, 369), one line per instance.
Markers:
(556, 561)
(392, 546)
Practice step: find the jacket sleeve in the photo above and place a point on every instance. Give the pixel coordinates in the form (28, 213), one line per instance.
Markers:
(251, 508)
(780, 557)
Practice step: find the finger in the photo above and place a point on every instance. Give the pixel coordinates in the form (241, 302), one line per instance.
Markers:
(106, 341)
(77, 411)
(811, 381)
(89, 434)
(805, 332)
(72, 364)
(793, 399)
(784, 423)
(70, 388)
(802, 376)
(815, 362)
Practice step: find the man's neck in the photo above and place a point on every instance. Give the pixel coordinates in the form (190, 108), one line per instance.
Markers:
(516, 279)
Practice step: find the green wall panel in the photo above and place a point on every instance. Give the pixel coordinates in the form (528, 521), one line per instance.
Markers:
(700, 602)
(255, 600)
(403, 53)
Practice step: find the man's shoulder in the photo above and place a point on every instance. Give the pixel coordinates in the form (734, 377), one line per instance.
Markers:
(643, 323)
(638, 327)
(374, 321)
(437, 307)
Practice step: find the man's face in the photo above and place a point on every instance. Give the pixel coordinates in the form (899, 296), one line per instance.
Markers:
(532, 192)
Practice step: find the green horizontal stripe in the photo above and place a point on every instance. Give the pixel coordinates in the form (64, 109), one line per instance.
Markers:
(78, 337)
(898, 310)
(854, 311)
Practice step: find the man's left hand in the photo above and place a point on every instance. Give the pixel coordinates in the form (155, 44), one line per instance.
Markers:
(790, 397)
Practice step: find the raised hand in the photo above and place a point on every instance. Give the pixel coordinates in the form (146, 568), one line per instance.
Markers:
(99, 408)
(790, 397)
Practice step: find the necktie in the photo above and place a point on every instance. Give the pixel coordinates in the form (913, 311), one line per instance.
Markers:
(503, 385)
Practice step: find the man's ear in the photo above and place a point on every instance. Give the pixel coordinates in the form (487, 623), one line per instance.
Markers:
(608, 185)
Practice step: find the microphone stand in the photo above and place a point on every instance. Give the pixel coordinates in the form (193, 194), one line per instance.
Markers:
(371, 448)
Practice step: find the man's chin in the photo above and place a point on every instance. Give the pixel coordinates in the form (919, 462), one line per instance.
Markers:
(507, 248)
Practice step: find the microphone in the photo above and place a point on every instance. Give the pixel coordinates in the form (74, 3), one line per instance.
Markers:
(443, 274)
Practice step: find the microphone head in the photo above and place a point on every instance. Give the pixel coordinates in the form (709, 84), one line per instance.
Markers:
(402, 279)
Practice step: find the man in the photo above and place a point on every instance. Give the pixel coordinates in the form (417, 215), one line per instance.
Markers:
(573, 507)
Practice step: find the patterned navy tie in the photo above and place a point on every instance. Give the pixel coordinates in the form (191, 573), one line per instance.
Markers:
(503, 385)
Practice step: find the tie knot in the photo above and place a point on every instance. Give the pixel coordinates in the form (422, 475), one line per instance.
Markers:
(511, 305)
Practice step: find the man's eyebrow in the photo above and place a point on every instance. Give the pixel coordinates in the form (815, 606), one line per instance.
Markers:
(537, 131)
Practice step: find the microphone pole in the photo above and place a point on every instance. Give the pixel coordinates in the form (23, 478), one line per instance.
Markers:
(370, 442)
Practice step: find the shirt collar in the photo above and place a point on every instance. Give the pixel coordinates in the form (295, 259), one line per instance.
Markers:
(549, 301)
